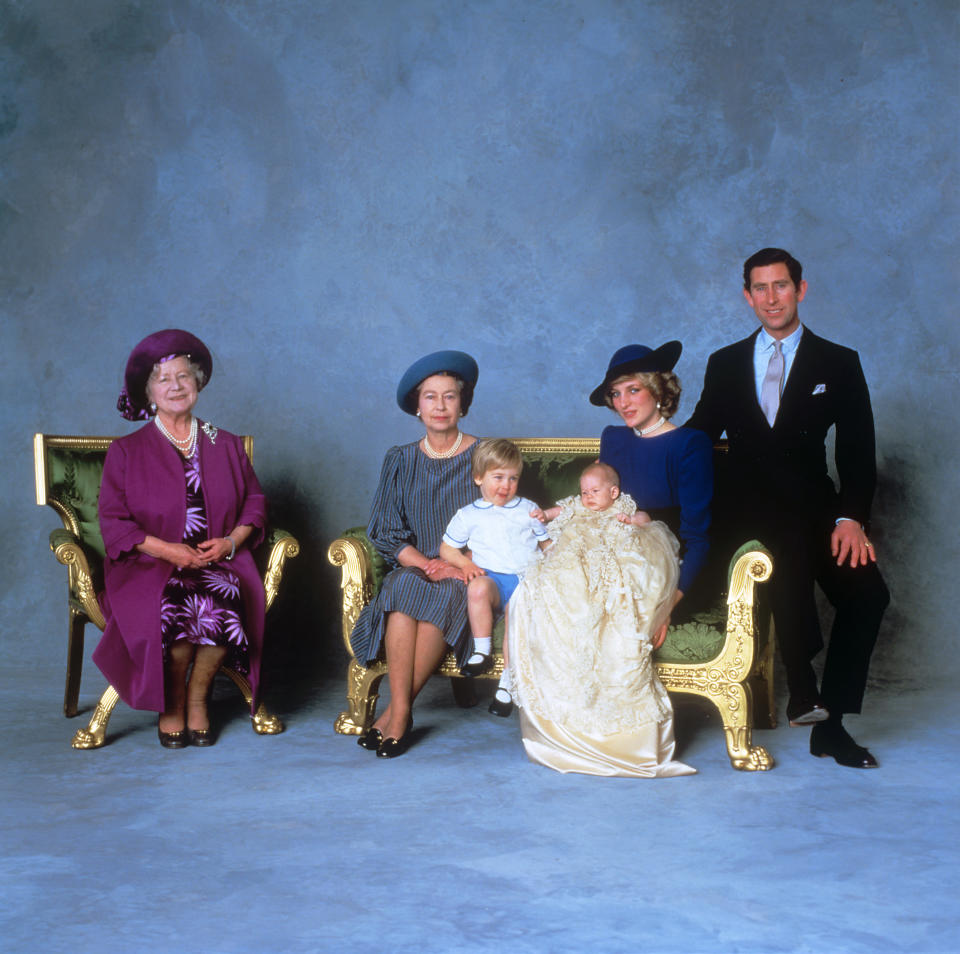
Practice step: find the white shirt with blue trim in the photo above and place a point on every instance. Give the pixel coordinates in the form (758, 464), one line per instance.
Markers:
(502, 539)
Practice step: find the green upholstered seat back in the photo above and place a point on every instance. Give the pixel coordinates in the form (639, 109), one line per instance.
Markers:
(548, 477)
(73, 479)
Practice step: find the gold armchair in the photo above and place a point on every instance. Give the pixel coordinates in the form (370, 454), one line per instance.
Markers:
(723, 656)
(68, 470)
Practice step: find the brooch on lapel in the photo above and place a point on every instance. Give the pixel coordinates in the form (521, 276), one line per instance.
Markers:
(820, 389)
(211, 431)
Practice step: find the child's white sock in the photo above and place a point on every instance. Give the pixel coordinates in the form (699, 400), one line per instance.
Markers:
(505, 686)
(481, 647)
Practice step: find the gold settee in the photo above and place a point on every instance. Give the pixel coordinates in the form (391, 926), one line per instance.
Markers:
(68, 470)
(723, 655)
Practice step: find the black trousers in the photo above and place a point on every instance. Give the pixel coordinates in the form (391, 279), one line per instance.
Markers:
(859, 596)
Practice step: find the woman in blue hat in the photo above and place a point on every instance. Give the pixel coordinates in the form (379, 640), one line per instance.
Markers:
(668, 470)
(589, 698)
(421, 608)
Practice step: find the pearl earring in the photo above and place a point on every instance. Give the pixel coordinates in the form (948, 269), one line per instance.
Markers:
(418, 412)
(153, 408)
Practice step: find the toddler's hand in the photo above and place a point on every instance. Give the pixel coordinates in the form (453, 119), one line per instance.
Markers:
(472, 571)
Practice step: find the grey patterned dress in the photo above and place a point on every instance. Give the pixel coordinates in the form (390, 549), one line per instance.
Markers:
(416, 498)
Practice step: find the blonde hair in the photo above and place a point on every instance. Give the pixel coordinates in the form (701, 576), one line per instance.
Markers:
(663, 385)
(609, 473)
(495, 452)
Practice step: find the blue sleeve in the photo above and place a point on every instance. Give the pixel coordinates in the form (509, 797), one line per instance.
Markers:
(695, 493)
(387, 529)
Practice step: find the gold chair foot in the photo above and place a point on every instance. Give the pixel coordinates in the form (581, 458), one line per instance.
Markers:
(85, 739)
(266, 724)
(94, 735)
(758, 759)
(346, 725)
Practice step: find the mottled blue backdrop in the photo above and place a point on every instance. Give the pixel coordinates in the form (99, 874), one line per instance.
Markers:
(323, 190)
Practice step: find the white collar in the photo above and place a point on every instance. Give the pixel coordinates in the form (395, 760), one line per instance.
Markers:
(482, 504)
(788, 345)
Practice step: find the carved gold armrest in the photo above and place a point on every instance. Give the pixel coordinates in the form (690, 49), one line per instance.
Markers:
(753, 566)
(356, 580)
(69, 551)
(283, 546)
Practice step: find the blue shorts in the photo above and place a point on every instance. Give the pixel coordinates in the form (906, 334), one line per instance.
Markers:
(505, 583)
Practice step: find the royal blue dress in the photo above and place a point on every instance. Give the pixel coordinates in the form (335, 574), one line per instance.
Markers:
(671, 477)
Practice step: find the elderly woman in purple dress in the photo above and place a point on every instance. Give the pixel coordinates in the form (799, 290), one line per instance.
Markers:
(180, 506)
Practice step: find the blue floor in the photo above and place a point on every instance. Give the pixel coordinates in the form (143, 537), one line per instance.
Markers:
(305, 842)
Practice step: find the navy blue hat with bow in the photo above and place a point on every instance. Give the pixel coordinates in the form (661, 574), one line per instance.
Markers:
(636, 359)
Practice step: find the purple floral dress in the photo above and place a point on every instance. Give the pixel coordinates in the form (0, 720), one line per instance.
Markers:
(203, 606)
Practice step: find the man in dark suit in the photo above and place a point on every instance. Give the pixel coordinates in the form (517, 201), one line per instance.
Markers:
(776, 394)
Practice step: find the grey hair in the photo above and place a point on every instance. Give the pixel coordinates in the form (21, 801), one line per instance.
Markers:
(192, 366)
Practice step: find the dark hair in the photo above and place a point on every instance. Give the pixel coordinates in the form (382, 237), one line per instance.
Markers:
(771, 256)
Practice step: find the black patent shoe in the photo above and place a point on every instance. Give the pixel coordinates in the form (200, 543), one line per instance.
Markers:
(173, 740)
(833, 741)
(500, 707)
(370, 740)
(391, 748)
(201, 738)
(478, 668)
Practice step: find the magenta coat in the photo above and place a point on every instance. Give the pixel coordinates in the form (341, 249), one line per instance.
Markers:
(143, 493)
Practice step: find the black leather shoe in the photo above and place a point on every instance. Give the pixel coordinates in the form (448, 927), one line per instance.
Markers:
(484, 664)
(833, 741)
(806, 711)
(500, 708)
(201, 738)
(391, 748)
(370, 740)
(172, 740)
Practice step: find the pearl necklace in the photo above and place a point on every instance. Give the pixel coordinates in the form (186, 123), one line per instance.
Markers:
(186, 446)
(442, 455)
(643, 431)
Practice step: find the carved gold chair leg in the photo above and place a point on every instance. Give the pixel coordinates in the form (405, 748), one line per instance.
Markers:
(71, 691)
(734, 710)
(263, 721)
(362, 694)
(93, 736)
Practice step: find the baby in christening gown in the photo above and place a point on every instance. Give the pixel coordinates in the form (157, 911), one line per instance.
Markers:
(582, 628)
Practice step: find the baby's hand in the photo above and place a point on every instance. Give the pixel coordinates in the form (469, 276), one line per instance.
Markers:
(638, 519)
(538, 514)
(545, 516)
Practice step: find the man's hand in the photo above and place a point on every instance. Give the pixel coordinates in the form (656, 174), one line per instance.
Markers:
(848, 541)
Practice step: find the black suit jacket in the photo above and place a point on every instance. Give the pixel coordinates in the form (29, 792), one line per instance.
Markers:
(782, 471)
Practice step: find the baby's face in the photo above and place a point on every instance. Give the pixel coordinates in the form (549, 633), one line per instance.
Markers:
(596, 492)
(499, 485)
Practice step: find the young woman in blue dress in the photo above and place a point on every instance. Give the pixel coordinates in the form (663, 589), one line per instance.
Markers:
(668, 470)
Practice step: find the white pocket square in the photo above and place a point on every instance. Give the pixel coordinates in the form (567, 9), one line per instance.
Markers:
(820, 389)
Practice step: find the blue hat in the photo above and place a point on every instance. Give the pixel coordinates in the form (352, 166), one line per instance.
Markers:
(636, 359)
(456, 363)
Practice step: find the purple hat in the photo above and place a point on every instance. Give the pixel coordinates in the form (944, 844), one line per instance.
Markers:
(636, 359)
(155, 348)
